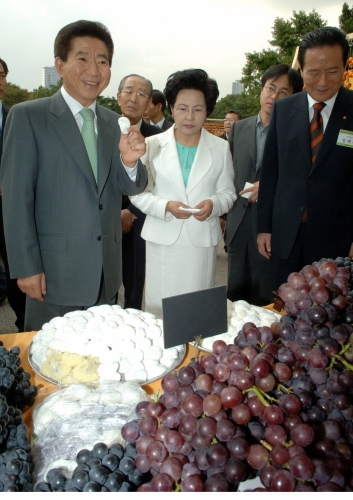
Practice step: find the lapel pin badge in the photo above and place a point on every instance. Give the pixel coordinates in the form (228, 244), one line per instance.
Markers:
(344, 117)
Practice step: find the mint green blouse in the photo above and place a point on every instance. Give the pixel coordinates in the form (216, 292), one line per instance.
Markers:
(186, 159)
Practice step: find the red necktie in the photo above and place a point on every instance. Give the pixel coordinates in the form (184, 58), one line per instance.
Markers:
(316, 129)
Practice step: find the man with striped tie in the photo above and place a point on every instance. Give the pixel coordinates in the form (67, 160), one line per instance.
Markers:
(305, 205)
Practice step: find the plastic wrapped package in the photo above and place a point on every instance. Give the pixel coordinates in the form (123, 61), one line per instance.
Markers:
(77, 417)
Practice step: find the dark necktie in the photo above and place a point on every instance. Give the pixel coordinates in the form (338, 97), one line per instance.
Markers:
(316, 129)
(316, 135)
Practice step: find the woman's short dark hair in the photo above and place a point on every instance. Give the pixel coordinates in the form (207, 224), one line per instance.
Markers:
(4, 65)
(321, 37)
(278, 70)
(196, 79)
(63, 40)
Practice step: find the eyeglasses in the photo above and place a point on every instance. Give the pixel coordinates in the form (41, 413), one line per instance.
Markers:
(139, 95)
(272, 90)
(184, 110)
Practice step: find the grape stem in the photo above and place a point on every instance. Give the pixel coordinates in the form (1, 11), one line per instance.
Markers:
(332, 364)
(156, 396)
(266, 445)
(260, 394)
(345, 348)
(285, 389)
(344, 362)
(177, 488)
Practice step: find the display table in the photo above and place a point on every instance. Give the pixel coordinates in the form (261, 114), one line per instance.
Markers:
(23, 341)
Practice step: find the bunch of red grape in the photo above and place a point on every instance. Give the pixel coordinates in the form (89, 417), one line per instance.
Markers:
(277, 404)
(342, 262)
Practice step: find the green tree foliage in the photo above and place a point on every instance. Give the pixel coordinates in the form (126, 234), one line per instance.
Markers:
(110, 103)
(44, 91)
(346, 19)
(286, 36)
(15, 94)
(239, 102)
(256, 65)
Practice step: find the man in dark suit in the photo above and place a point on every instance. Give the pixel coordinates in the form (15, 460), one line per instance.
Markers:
(16, 298)
(134, 98)
(305, 208)
(62, 186)
(249, 275)
(231, 117)
(155, 111)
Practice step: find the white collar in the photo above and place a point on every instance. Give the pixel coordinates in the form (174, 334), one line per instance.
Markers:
(158, 124)
(74, 105)
(328, 103)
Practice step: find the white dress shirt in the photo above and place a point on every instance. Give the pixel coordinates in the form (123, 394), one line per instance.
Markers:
(325, 113)
(75, 108)
(159, 124)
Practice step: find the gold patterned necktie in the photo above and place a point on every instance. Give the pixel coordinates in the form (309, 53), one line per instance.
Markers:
(90, 139)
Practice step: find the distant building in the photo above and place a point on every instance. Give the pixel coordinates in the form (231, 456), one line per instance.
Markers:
(237, 87)
(49, 76)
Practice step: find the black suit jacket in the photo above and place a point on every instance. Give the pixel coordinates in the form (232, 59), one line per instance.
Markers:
(146, 131)
(166, 125)
(5, 112)
(290, 183)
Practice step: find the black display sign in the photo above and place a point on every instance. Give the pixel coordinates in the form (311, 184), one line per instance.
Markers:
(202, 313)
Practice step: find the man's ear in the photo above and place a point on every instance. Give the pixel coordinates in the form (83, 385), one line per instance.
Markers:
(59, 63)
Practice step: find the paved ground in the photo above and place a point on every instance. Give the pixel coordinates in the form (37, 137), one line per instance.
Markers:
(7, 317)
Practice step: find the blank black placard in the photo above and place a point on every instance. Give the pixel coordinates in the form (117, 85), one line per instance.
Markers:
(187, 316)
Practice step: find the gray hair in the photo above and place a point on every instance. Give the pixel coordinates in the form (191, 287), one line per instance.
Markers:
(122, 83)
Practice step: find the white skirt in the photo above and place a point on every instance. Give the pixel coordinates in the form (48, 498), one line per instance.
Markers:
(177, 269)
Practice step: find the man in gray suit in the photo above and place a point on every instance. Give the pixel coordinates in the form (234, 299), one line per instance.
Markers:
(249, 272)
(62, 185)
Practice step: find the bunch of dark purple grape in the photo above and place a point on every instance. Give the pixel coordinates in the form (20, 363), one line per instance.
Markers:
(278, 404)
(320, 315)
(15, 460)
(14, 381)
(102, 469)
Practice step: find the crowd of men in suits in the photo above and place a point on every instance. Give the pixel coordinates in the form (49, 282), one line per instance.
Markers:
(68, 248)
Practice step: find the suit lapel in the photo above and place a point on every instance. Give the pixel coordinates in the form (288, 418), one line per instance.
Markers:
(170, 159)
(299, 128)
(249, 135)
(66, 127)
(202, 162)
(342, 108)
(106, 138)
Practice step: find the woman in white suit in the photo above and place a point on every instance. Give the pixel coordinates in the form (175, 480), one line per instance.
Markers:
(190, 184)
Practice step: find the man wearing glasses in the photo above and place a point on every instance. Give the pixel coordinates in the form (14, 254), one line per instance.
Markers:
(248, 271)
(231, 117)
(134, 97)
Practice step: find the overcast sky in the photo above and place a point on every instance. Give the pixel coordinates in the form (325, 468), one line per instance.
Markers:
(153, 38)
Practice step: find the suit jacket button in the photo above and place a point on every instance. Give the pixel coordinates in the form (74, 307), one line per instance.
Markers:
(99, 238)
(310, 181)
(100, 207)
